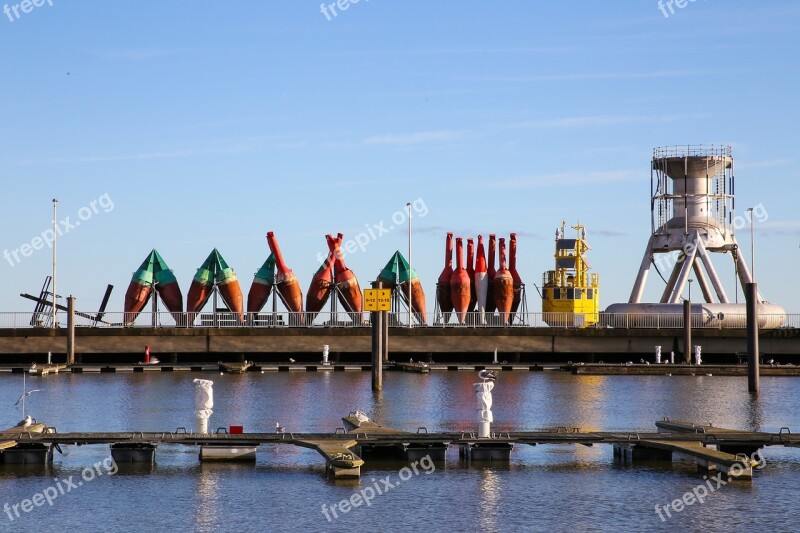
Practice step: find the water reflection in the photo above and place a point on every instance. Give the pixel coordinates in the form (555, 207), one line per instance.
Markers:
(490, 494)
(208, 494)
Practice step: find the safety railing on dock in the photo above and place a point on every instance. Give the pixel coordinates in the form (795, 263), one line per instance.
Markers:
(226, 319)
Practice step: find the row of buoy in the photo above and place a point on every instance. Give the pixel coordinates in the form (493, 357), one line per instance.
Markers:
(477, 285)
(332, 275)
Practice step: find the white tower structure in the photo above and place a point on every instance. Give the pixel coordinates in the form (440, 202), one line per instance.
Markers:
(692, 208)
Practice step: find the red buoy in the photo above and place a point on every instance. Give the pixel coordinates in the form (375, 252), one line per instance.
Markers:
(346, 281)
(503, 287)
(460, 284)
(473, 298)
(286, 281)
(491, 272)
(443, 284)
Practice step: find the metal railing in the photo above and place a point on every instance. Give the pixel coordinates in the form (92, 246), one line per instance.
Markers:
(20, 320)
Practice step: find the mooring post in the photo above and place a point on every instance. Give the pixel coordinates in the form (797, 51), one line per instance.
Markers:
(71, 330)
(687, 332)
(751, 294)
(376, 320)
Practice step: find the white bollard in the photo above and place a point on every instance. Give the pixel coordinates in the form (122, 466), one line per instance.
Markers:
(672, 358)
(325, 352)
(483, 393)
(697, 357)
(49, 358)
(495, 356)
(203, 402)
(658, 355)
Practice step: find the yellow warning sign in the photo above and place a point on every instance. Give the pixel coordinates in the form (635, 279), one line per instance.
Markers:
(377, 299)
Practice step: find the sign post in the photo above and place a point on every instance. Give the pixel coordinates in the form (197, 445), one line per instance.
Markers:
(378, 300)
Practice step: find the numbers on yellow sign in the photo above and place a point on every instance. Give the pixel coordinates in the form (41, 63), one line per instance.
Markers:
(377, 299)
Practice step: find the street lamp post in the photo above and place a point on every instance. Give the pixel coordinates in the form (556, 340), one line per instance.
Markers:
(410, 305)
(55, 233)
(752, 244)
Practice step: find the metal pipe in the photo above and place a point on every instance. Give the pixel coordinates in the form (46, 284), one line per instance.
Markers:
(687, 331)
(385, 332)
(751, 293)
(71, 330)
(752, 244)
(641, 277)
(55, 233)
(712, 272)
(410, 302)
(673, 277)
(686, 268)
(701, 280)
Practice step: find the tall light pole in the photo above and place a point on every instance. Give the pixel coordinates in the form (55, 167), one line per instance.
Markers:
(752, 244)
(55, 227)
(410, 305)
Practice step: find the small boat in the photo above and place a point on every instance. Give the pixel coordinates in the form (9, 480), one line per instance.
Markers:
(491, 272)
(503, 287)
(419, 368)
(261, 286)
(443, 284)
(235, 368)
(286, 282)
(460, 285)
(346, 282)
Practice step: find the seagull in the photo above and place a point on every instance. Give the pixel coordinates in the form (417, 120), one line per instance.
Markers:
(291, 360)
(26, 422)
(26, 394)
(487, 375)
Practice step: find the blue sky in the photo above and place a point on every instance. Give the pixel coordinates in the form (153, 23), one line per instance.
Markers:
(208, 124)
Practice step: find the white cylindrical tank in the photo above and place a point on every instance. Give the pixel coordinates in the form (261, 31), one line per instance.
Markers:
(658, 316)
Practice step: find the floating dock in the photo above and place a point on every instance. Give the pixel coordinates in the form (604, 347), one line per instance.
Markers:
(713, 448)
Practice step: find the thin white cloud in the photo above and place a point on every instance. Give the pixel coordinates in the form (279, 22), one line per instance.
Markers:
(766, 164)
(595, 121)
(613, 75)
(420, 137)
(138, 54)
(565, 179)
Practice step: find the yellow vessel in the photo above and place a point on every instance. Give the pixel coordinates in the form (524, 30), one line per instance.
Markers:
(571, 296)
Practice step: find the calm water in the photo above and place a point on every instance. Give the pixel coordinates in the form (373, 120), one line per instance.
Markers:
(544, 488)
